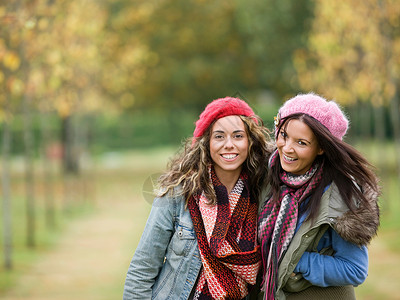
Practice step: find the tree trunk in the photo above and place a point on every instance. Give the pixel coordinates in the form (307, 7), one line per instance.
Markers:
(353, 135)
(48, 156)
(7, 211)
(365, 119)
(70, 162)
(29, 174)
(29, 150)
(70, 159)
(379, 122)
(395, 120)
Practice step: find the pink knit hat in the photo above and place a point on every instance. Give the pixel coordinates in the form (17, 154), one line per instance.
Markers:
(328, 113)
(218, 109)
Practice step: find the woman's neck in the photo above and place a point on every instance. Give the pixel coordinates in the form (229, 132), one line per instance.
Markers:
(228, 178)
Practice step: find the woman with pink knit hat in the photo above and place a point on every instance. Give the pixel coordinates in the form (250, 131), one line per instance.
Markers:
(321, 212)
(200, 240)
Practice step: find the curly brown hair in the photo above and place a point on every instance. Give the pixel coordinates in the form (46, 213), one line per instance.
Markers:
(189, 167)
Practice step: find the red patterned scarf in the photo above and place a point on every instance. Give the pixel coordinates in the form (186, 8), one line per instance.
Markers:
(226, 235)
(277, 221)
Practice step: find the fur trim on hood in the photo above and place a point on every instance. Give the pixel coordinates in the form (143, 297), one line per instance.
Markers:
(361, 226)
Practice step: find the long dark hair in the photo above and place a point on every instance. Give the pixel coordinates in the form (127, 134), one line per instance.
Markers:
(342, 164)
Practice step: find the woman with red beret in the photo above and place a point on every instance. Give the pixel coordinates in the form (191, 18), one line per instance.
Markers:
(200, 240)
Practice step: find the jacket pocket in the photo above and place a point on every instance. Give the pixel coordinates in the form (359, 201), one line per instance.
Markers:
(296, 283)
(183, 239)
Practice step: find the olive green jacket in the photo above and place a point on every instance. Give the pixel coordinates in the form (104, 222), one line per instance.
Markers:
(333, 213)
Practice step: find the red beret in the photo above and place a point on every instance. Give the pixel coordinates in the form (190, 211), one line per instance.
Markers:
(218, 109)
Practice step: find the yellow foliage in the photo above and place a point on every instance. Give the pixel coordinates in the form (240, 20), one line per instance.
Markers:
(127, 100)
(11, 61)
(354, 50)
(93, 101)
(2, 11)
(15, 86)
(64, 109)
(43, 24)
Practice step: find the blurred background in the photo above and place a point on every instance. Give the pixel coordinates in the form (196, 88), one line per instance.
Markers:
(96, 95)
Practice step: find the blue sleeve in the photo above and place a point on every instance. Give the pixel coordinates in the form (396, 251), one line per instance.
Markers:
(347, 266)
(150, 252)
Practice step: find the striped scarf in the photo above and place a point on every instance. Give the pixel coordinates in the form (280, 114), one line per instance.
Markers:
(277, 221)
(226, 235)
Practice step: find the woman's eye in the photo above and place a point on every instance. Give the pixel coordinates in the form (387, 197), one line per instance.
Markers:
(238, 136)
(219, 136)
(283, 134)
(302, 143)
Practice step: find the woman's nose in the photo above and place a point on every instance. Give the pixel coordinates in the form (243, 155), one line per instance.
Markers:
(287, 146)
(228, 143)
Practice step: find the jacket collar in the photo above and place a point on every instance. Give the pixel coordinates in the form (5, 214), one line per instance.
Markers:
(358, 228)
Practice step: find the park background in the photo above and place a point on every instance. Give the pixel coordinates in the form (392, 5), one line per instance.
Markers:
(96, 96)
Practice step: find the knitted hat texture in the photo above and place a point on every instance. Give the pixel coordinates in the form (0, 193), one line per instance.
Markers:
(218, 109)
(328, 113)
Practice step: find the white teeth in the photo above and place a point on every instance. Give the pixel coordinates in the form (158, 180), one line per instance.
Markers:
(229, 156)
(288, 158)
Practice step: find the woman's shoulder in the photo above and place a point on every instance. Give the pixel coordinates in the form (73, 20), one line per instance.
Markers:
(358, 226)
(335, 201)
(174, 196)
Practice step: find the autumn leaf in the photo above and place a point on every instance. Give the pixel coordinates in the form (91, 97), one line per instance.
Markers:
(11, 61)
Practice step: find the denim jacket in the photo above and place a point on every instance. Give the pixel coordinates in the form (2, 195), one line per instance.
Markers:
(167, 261)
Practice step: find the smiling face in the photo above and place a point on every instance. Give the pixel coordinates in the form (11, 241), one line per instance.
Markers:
(297, 147)
(228, 146)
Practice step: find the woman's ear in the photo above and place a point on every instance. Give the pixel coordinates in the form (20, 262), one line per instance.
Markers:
(320, 151)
